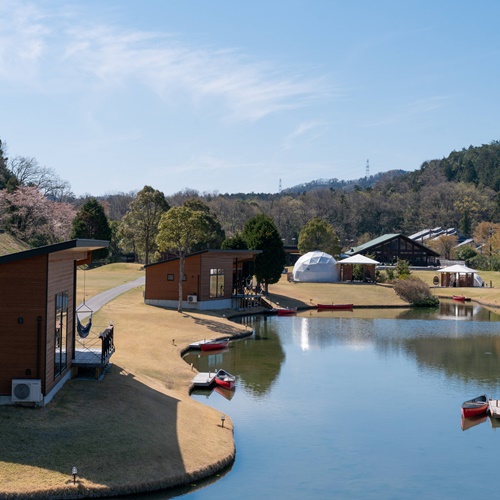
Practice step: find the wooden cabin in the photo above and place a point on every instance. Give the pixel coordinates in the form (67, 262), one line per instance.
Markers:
(37, 307)
(213, 279)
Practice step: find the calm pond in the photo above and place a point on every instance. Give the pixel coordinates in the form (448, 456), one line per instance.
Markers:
(362, 404)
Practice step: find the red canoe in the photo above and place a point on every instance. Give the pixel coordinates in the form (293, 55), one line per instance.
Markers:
(476, 406)
(326, 307)
(225, 379)
(212, 345)
(287, 311)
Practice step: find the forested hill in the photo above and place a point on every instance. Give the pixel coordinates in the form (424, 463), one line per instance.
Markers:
(477, 165)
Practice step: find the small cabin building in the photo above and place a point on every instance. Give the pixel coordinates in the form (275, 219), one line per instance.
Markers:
(213, 279)
(37, 307)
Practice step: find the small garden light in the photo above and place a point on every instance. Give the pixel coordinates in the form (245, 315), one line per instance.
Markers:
(74, 471)
(222, 419)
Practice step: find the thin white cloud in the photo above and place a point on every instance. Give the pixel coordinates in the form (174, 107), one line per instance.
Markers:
(412, 109)
(22, 40)
(304, 129)
(78, 53)
(250, 90)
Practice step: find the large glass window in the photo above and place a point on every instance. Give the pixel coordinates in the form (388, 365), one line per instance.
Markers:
(216, 283)
(61, 333)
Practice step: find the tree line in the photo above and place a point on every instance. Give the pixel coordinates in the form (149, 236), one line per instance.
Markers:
(460, 191)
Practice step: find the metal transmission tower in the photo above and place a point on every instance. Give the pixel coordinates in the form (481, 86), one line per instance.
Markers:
(367, 174)
(279, 188)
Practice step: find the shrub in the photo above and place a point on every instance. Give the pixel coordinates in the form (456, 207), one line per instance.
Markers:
(357, 272)
(465, 253)
(402, 269)
(414, 291)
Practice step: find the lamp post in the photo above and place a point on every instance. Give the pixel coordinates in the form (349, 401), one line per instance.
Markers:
(222, 419)
(491, 234)
(74, 471)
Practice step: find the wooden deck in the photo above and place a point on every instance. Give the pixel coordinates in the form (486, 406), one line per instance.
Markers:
(90, 358)
(93, 359)
(494, 405)
(203, 379)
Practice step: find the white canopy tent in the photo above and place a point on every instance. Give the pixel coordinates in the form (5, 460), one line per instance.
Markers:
(347, 268)
(459, 275)
(358, 259)
(316, 267)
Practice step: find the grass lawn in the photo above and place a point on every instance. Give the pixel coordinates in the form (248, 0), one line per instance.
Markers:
(287, 294)
(99, 279)
(135, 430)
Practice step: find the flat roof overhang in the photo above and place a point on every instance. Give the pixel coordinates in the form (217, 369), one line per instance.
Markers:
(79, 247)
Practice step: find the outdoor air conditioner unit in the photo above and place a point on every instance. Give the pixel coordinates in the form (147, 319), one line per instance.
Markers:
(192, 299)
(26, 390)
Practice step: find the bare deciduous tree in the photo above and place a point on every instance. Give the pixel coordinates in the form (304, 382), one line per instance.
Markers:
(30, 173)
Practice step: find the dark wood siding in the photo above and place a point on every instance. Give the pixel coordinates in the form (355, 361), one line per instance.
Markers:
(158, 287)
(22, 303)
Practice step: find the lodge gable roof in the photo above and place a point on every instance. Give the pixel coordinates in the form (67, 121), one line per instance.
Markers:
(365, 247)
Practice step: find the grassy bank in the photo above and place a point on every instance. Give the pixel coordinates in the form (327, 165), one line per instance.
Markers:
(136, 430)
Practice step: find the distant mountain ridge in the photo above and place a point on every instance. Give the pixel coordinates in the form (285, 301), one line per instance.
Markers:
(479, 165)
(362, 182)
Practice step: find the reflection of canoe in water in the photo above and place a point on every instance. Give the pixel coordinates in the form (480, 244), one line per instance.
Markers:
(328, 307)
(476, 406)
(470, 422)
(226, 393)
(207, 354)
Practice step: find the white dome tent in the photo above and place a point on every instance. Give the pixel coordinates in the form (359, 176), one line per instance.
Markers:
(316, 267)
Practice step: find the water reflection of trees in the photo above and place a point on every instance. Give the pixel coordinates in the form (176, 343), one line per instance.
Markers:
(256, 360)
(452, 310)
(439, 345)
(468, 359)
(260, 358)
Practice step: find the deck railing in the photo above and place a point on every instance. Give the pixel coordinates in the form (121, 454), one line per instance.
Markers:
(108, 346)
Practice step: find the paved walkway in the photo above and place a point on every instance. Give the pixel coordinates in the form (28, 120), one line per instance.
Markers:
(96, 302)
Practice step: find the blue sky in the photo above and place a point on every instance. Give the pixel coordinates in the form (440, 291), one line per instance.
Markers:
(233, 96)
